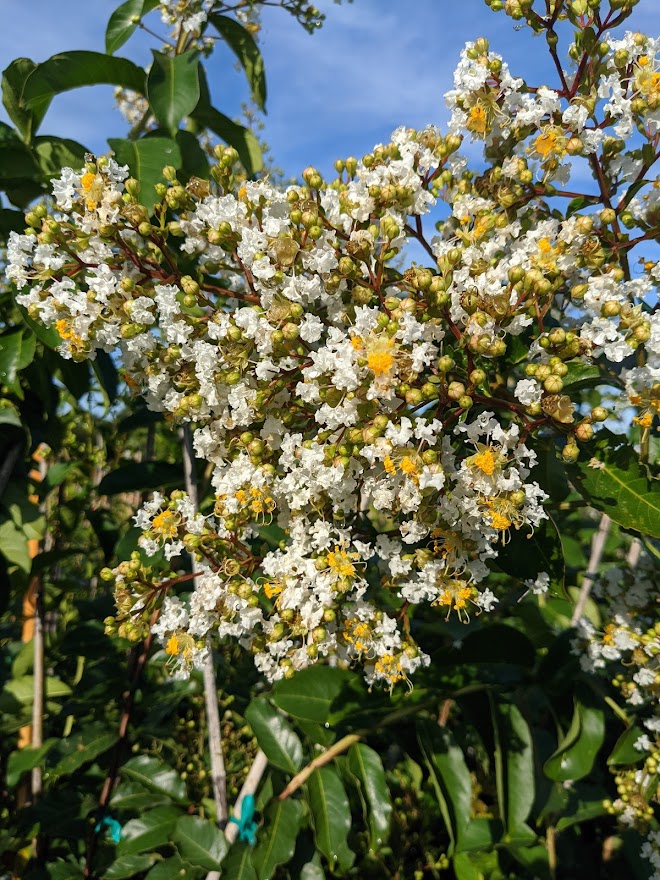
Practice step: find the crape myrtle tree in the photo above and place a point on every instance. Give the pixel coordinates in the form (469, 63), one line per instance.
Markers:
(422, 554)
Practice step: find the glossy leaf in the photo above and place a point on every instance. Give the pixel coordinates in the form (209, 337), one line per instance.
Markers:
(238, 864)
(275, 735)
(366, 766)
(576, 753)
(146, 159)
(72, 70)
(55, 153)
(129, 866)
(173, 88)
(450, 776)
(154, 774)
(515, 764)
(173, 868)
(331, 815)
(22, 760)
(85, 747)
(148, 831)
(613, 481)
(26, 119)
(244, 46)
(277, 840)
(624, 751)
(311, 692)
(200, 842)
(122, 25)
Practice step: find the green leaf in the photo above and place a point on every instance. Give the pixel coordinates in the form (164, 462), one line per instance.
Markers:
(618, 484)
(141, 477)
(365, 764)
(528, 553)
(26, 120)
(132, 796)
(331, 815)
(10, 357)
(624, 751)
(10, 221)
(275, 735)
(108, 378)
(85, 747)
(277, 841)
(313, 870)
(154, 774)
(233, 134)
(173, 87)
(48, 335)
(576, 753)
(200, 842)
(128, 866)
(22, 689)
(514, 741)
(450, 777)
(14, 545)
(121, 25)
(148, 831)
(22, 760)
(72, 70)
(583, 376)
(238, 864)
(146, 159)
(311, 692)
(244, 46)
(194, 161)
(56, 153)
(173, 868)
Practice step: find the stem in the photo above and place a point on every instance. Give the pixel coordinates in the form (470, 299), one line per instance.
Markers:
(218, 774)
(597, 547)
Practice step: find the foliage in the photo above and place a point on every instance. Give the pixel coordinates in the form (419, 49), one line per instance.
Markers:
(509, 735)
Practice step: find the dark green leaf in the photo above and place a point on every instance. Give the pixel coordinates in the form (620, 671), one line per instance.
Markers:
(624, 751)
(72, 70)
(130, 795)
(200, 842)
(121, 24)
(173, 868)
(173, 87)
(85, 747)
(22, 760)
(277, 840)
(514, 740)
(128, 866)
(583, 376)
(331, 815)
(10, 221)
(154, 774)
(275, 735)
(450, 776)
(146, 159)
(613, 481)
(56, 153)
(238, 864)
(149, 831)
(365, 764)
(243, 44)
(10, 356)
(107, 375)
(26, 120)
(576, 753)
(141, 477)
(528, 553)
(311, 692)
(194, 162)
(48, 335)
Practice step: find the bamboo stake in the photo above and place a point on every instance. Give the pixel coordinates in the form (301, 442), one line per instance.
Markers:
(597, 547)
(218, 774)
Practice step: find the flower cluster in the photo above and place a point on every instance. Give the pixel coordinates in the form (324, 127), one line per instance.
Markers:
(377, 424)
(626, 648)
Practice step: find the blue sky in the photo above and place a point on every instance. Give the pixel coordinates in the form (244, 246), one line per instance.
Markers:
(374, 65)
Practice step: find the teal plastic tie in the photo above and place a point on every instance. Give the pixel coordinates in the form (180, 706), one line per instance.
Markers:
(247, 827)
(113, 826)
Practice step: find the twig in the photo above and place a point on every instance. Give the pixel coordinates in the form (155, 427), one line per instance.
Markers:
(597, 547)
(250, 786)
(218, 774)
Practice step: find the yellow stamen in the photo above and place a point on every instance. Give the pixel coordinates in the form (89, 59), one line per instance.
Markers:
(165, 524)
(340, 562)
(172, 647)
(485, 461)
